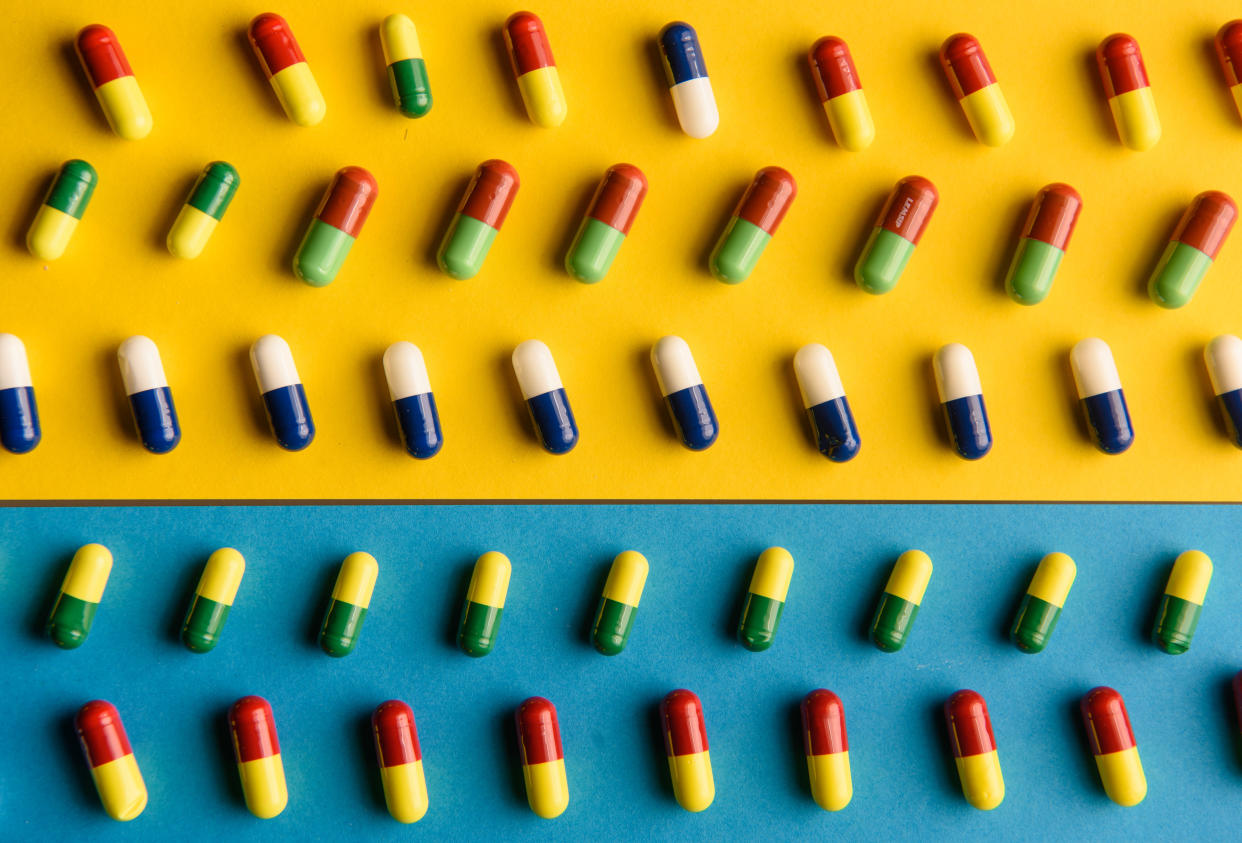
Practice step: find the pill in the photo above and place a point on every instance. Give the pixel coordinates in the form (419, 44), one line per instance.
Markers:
(535, 70)
(694, 420)
(155, 416)
(765, 599)
(607, 223)
(1229, 52)
(1194, 246)
(1041, 605)
(1113, 745)
(827, 749)
(400, 761)
(337, 224)
(614, 619)
(543, 759)
(286, 68)
(899, 604)
(977, 91)
(1129, 93)
(545, 397)
(688, 82)
(111, 759)
(1178, 615)
(961, 399)
(1045, 237)
(900, 226)
(407, 72)
(841, 92)
(685, 741)
(974, 749)
(1223, 356)
(484, 604)
(203, 209)
(62, 207)
(351, 597)
(1100, 396)
(114, 82)
(478, 219)
(213, 597)
(754, 221)
(823, 396)
(258, 756)
(284, 397)
(409, 387)
(19, 414)
(81, 591)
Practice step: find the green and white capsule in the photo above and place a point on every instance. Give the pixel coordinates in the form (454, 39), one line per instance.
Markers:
(214, 596)
(407, 72)
(622, 590)
(903, 594)
(1182, 602)
(1041, 607)
(351, 596)
(63, 206)
(80, 594)
(765, 599)
(203, 209)
(485, 603)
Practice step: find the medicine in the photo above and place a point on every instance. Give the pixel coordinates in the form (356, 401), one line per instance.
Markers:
(614, 619)
(1128, 91)
(823, 396)
(827, 749)
(1223, 356)
(400, 761)
(754, 221)
(203, 209)
(111, 759)
(684, 393)
(214, 596)
(535, 70)
(155, 416)
(685, 741)
(686, 72)
(901, 224)
(973, 83)
(1113, 745)
(351, 597)
(1182, 602)
(114, 82)
(81, 591)
(974, 749)
(899, 604)
(19, 414)
(286, 68)
(543, 759)
(258, 756)
(407, 72)
(1229, 53)
(485, 603)
(765, 599)
(337, 224)
(607, 223)
(412, 401)
(961, 399)
(479, 216)
(1045, 238)
(1194, 246)
(284, 397)
(545, 397)
(1100, 396)
(62, 207)
(1042, 604)
(841, 92)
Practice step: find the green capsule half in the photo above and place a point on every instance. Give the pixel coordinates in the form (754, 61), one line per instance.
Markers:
(738, 250)
(407, 72)
(484, 604)
(80, 594)
(1177, 275)
(322, 254)
(1182, 602)
(594, 248)
(465, 247)
(765, 599)
(213, 597)
(883, 259)
(1033, 270)
(899, 604)
(614, 619)
(73, 188)
(1041, 606)
(351, 596)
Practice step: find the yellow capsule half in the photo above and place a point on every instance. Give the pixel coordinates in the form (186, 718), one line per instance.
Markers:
(125, 107)
(544, 97)
(982, 783)
(1122, 776)
(831, 782)
(1138, 123)
(849, 116)
(263, 785)
(50, 233)
(405, 791)
(693, 784)
(299, 94)
(910, 576)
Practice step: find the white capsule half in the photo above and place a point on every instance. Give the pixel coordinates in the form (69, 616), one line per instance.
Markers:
(272, 361)
(141, 368)
(14, 367)
(696, 107)
(1223, 356)
(674, 365)
(1094, 370)
(406, 371)
(535, 369)
(818, 379)
(956, 374)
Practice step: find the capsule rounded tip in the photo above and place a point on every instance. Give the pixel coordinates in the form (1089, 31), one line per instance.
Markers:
(265, 24)
(523, 22)
(1174, 645)
(199, 642)
(1230, 35)
(95, 35)
(959, 46)
(887, 640)
(828, 49)
(1029, 642)
(677, 33)
(1062, 189)
(755, 641)
(608, 645)
(1117, 46)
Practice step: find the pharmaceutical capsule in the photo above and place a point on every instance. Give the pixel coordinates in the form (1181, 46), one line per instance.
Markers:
(535, 70)
(400, 761)
(823, 396)
(1041, 605)
(351, 597)
(1229, 52)
(1112, 743)
(80, 594)
(286, 68)
(607, 223)
(1223, 356)
(961, 399)
(1100, 396)
(686, 72)
(765, 599)
(214, 596)
(974, 749)
(155, 416)
(899, 604)
(754, 221)
(485, 603)
(478, 219)
(973, 83)
(614, 619)
(1194, 246)
(284, 397)
(409, 387)
(62, 207)
(841, 92)
(407, 72)
(1045, 238)
(114, 82)
(203, 209)
(111, 759)
(685, 741)
(545, 397)
(684, 393)
(1182, 602)
(543, 759)
(901, 224)
(19, 414)
(257, 751)
(827, 749)
(337, 224)
(1128, 91)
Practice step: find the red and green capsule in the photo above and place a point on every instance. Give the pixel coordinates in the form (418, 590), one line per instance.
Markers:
(754, 221)
(1045, 237)
(485, 603)
(63, 206)
(337, 223)
(765, 599)
(203, 209)
(481, 213)
(214, 596)
(407, 72)
(607, 223)
(900, 602)
(351, 596)
(901, 224)
(1182, 603)
(622, 590)
(1041, 606)
(1192, 249)
(80, 593)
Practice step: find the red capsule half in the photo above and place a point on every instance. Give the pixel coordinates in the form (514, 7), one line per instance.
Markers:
(254, 729)
(101, 55)
(1207, 222)
(833, 68)
(1053, 215)
(766, 201)
(1229, 53)
(823, 723)
(491, 193)
(348, 200)
(909, 208)
(965, 65)
(396, 737)
(1121, 65)
(527, 42)
(273, 43)
(619, 196)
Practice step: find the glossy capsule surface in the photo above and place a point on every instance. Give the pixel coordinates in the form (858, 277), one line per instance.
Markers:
(478, 219)
(827, 749)
(754, 222)
(351, 597)
(414, 405)
(974, 749)
(400, 761)
(961, 401)
(337, 223)
(1100, 395)
(618, 606)
(1112, 743)
(977, 91)
(900, 226)
(694, 420)
(1223, 357)
(284, 397)
(538, 80)
(545, 396)
(841, 92)
(823, 397)
(765, 599)
(203, 209)
(607, 223)
(407, 71)
(111, 759)
(543, 758)
(1229, 54)
(150, 399)
(213, 598)
(685, 742)
(1045, 237)
(114, 82)
(1193, 248)
(1129, 93)
(688, 82)
(81, 591)
(287, 70)
(20, 431)
(899, 604)
(484, 604)
(1180, 607)
(64, 204)
(257, 752)
(1041, 605)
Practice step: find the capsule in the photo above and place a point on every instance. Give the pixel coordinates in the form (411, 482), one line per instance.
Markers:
(607, 223)
(841, 92)
(1045, 238)
(80, 594)
(754, 221)
(62, 207)
(1042, 604)
(351, 597)
(1128, 91)
(1112, 744)
(1195, 244)
(899, 604)
(1223, 356)
(19, 414)
(685, 741)
(412, 401)
(684, 393)
(614, 619)
(111, 759)
(258, 756)
(284, 397)
(543, 759)
(961, 398)
(1100, 396)
(155, 416)
(535, 70)
(478, 219)
(1229, 52)
(114, 82)
(688, 82)
(977, 91)
(407, 72)
(214, 596)
(400, 761)
(974, 749)
(827, 749)
(545, 397)
(286, 68)
(900, 226)
(203, 209)
(765, 599)
(1182, 602)
(485, 603)
(337, 224)
(823, 396)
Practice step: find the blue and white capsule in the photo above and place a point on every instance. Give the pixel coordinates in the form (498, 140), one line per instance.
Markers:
(688, 81)
(1223, 356)
(284, 397)
(410, 389)
(155, 416)
(823, 396)
(545, 397)
(1099, 393)
(19, 415)
(684, 394)
(961, 398)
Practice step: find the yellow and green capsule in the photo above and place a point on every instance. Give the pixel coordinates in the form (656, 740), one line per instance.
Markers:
(350, 598)
(217, 588)
(765, 599)
(407, 72)
(901, 599)
(1182, 602)
(203, 208)
(1041, 607)
(63, 206)
(485, 603)
(622, 590)
(80, 593)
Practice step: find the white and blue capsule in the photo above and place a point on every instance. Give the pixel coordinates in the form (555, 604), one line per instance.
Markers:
(284, 397)
(1223, 356)
(823, 396)
(410, 389)
(545, 397)
(155, 416)
(688, 81)
(961, 398)
(1099, 393)
(19, 415)
(684, 394)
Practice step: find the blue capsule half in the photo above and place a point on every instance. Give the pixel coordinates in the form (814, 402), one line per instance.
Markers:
(961, 399)
(683, 57)
(19, 415)
(1223, 356)
(688, 405)
(1100, 396)
(545, 396)
(284, 397)
(409, 387)
(150, 399)
(823, 396)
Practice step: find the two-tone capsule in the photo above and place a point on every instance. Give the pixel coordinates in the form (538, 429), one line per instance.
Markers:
(284, 397)
(1223, 356)
(961, 400)
(1193, 248)
(545, 397)
(150, 399)
(1112, 743)
(62, 207)
(823, 397)
(1100, 396)
(114, 82)
(614, 619)
(900, 226)
(257, 752)
(535, 70)
(400, 761)
(484, 604)
(827, 749)
(19, 414)
(338, 221)
(409, 387)
(754, 222)
(976, 89)
(1129, 93)
(1178, 615)
(899, 604)
(841, 92)
(286, 69)
(1045, 237)
(543, 758)
(478, 219)
(974, 749)
(607, 223)
(1041, 605)
(203, 209)
(694, 420)
(1229, 53)
(111, 759)
(407, 72)
(81, 591)
(765, 599)
(685, 742)
(351, 597)
(688, 82)
(213, 598)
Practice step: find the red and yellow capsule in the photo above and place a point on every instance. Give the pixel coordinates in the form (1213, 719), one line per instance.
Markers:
(974, 749)
(685, 741)
(114, 82)
(827, 749)
(258, 756)
(841, 92)
(535, 69)
(286, 68)
(1128, 91)
(1229, 52)
(111, 759)
(400, 761)
(977, 91)
(1112, 744)
(543, 759)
